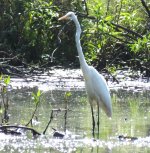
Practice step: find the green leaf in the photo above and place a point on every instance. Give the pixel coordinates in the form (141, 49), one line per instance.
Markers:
(1, 111)
(7, 80)
(1, 76)
(36, 97)
(108, 18)
(67, 94)
(38, 93)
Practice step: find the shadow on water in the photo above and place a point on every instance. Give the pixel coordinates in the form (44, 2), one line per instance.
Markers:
(127, 131)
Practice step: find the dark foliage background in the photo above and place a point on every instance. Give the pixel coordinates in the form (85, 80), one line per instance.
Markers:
(116, 34)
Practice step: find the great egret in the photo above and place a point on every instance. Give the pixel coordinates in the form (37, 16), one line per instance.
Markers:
(96, 86)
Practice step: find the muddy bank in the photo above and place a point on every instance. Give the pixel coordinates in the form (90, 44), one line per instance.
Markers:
(72, 79)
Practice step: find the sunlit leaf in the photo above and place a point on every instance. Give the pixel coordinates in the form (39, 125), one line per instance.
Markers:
(38, 93)
(109, 18)
(1, 110)
(7, 80)
(67, 94)
(1, 76)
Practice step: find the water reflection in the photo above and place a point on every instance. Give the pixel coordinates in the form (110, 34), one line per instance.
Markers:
(131, 115)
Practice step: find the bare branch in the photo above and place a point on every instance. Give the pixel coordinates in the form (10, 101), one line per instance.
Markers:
(146, 7)
(51, 117)
(126, 29)
(5, 128)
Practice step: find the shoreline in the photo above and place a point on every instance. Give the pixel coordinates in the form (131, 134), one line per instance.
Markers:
(72, 79)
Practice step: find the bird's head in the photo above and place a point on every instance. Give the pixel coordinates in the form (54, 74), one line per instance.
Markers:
(68, 16)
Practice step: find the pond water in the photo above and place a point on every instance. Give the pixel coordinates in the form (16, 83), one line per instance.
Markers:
(128, 131)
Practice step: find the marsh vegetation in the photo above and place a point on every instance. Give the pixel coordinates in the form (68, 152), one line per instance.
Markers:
(43, 107)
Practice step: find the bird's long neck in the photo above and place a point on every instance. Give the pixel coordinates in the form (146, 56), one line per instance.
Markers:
(83, 63)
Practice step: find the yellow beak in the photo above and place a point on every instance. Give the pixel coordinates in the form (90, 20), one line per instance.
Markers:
(63, 18)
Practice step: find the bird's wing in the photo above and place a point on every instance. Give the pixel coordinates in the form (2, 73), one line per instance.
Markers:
(101, 91)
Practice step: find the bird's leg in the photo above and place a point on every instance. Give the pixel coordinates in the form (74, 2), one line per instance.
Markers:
(93, 121)
(98, 121)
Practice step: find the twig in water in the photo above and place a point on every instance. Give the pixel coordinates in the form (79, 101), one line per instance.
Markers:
(30, 121)
(5, 128)
(51, 117)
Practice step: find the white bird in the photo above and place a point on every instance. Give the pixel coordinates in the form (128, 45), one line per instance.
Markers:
(96, 86)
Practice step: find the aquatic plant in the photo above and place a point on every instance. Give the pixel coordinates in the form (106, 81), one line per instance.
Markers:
(4, 105)
(36, 99)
